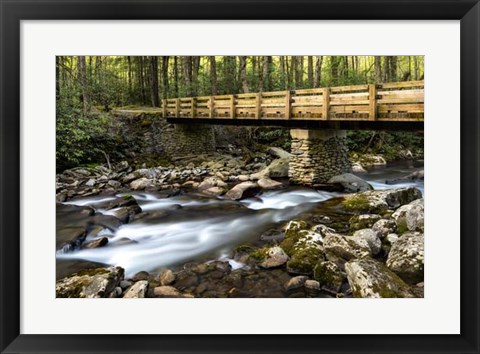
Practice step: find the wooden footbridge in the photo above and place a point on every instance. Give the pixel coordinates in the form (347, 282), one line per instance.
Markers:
(393, 105)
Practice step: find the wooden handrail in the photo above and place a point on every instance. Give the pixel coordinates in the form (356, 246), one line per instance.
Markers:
(395, 101)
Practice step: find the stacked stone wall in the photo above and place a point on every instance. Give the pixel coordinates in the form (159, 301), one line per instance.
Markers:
(318, 155)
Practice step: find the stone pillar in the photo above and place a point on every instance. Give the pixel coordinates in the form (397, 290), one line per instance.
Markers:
(318, 155)
(189, 139)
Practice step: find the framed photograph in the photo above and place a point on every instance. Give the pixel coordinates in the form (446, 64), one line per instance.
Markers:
(214, 176)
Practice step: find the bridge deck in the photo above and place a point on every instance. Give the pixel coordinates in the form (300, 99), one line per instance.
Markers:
(386, 102)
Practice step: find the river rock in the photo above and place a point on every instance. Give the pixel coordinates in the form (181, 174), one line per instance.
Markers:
(384, 227)
(278, 152)
(358, 168)
(410, 216)
(90, 283)
(210, 182)
(70, 238)
(123, 201)
(391, 238)
(126, 214)
(213, 191)
(267, 183)
(415, 176)
(274, 257)
(364, 221)
(406, 257)
(137, 290)
(242, 190)
(346, 247)
(371, 238)
(350, 182)
(277, 169)
(371, 279)
(372, 160)
(295, 282)
(303, 260)
(169, 292)
(141, 183)
(379, 201)
(99, 242)
(329, 276)
(312, 285)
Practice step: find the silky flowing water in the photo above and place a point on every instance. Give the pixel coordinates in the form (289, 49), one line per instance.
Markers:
(194, 228)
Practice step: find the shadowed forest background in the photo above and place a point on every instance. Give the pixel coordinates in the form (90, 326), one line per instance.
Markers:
(89, 87)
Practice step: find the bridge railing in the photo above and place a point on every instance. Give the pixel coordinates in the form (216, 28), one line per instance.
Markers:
(394, 101)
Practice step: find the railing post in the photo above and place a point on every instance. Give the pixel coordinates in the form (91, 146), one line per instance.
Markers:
(326, 103)
(193, 107)
(211, 108)
(258, 105)
(232, 106)
(177, 108)
(287, 104)
(372, 97)
(164, 108)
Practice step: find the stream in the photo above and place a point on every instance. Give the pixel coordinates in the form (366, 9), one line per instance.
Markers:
(195, 228)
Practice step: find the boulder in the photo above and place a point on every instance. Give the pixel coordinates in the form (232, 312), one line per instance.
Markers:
(329, 276)
(141, 183)
(99, 242)
(350, 183)
(312, 285)
(303, 260)
(274, 257)
(277, 169)
(70, 238)
(140, 276)
(415, 176)
(371, 238)
(137, 290)
(210, 182)
(169, 292)
(410, 217)
(346, 247)
(267, 183)
(371, 279)
(379, 201)
(384, 227)
(363, 221)
(90, 283)
(406, 257)
(278, 152)
(126, 214)
(358, 168)
(213, 191)
(166, 277)
(242, 190)
(295, 282)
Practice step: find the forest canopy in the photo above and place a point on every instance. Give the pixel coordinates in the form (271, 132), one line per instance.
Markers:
(88, 87)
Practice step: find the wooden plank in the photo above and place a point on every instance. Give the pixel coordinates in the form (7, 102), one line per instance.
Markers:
(273, 94)
(304, 99)
(177, 107)
(411, 108)
(350, 108)
(388, 85)
(348, 88)
(287, 104)
(348, 102)
(350, 95)
(193, 108)
(372, 96)
(308, 91)
(211, 108)
(258, 106)
(410, 92)
(232, 105)
(164, 108)
(400, 100)
(326, 103)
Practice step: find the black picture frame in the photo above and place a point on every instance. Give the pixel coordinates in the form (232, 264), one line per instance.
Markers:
(14, 11)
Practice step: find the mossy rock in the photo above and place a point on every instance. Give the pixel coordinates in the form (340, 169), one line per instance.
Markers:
(329, 276)
(303, 261)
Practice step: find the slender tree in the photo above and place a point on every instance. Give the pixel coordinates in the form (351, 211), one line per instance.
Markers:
(213, 75)
(243, 74)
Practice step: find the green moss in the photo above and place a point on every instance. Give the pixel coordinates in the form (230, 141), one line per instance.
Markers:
(357, 202)
(126, 196)
(328, 275)
(244, 249)
(260, 254)
(303, 261)
(401, 229)
(92, 272)
(145, 122)
(288, 246)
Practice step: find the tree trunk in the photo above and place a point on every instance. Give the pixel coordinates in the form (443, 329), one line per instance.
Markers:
(175, 75)
(318, 72)
(165, 77)
(82, 75)
(187, 74)
(195, 71)
(57, 76)
(154, 81)
(378, 69)
(310, 71)
(299, 72)
(213, 75)
(243, 74)
(415, 67)
(334, 68)
(393, 68)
